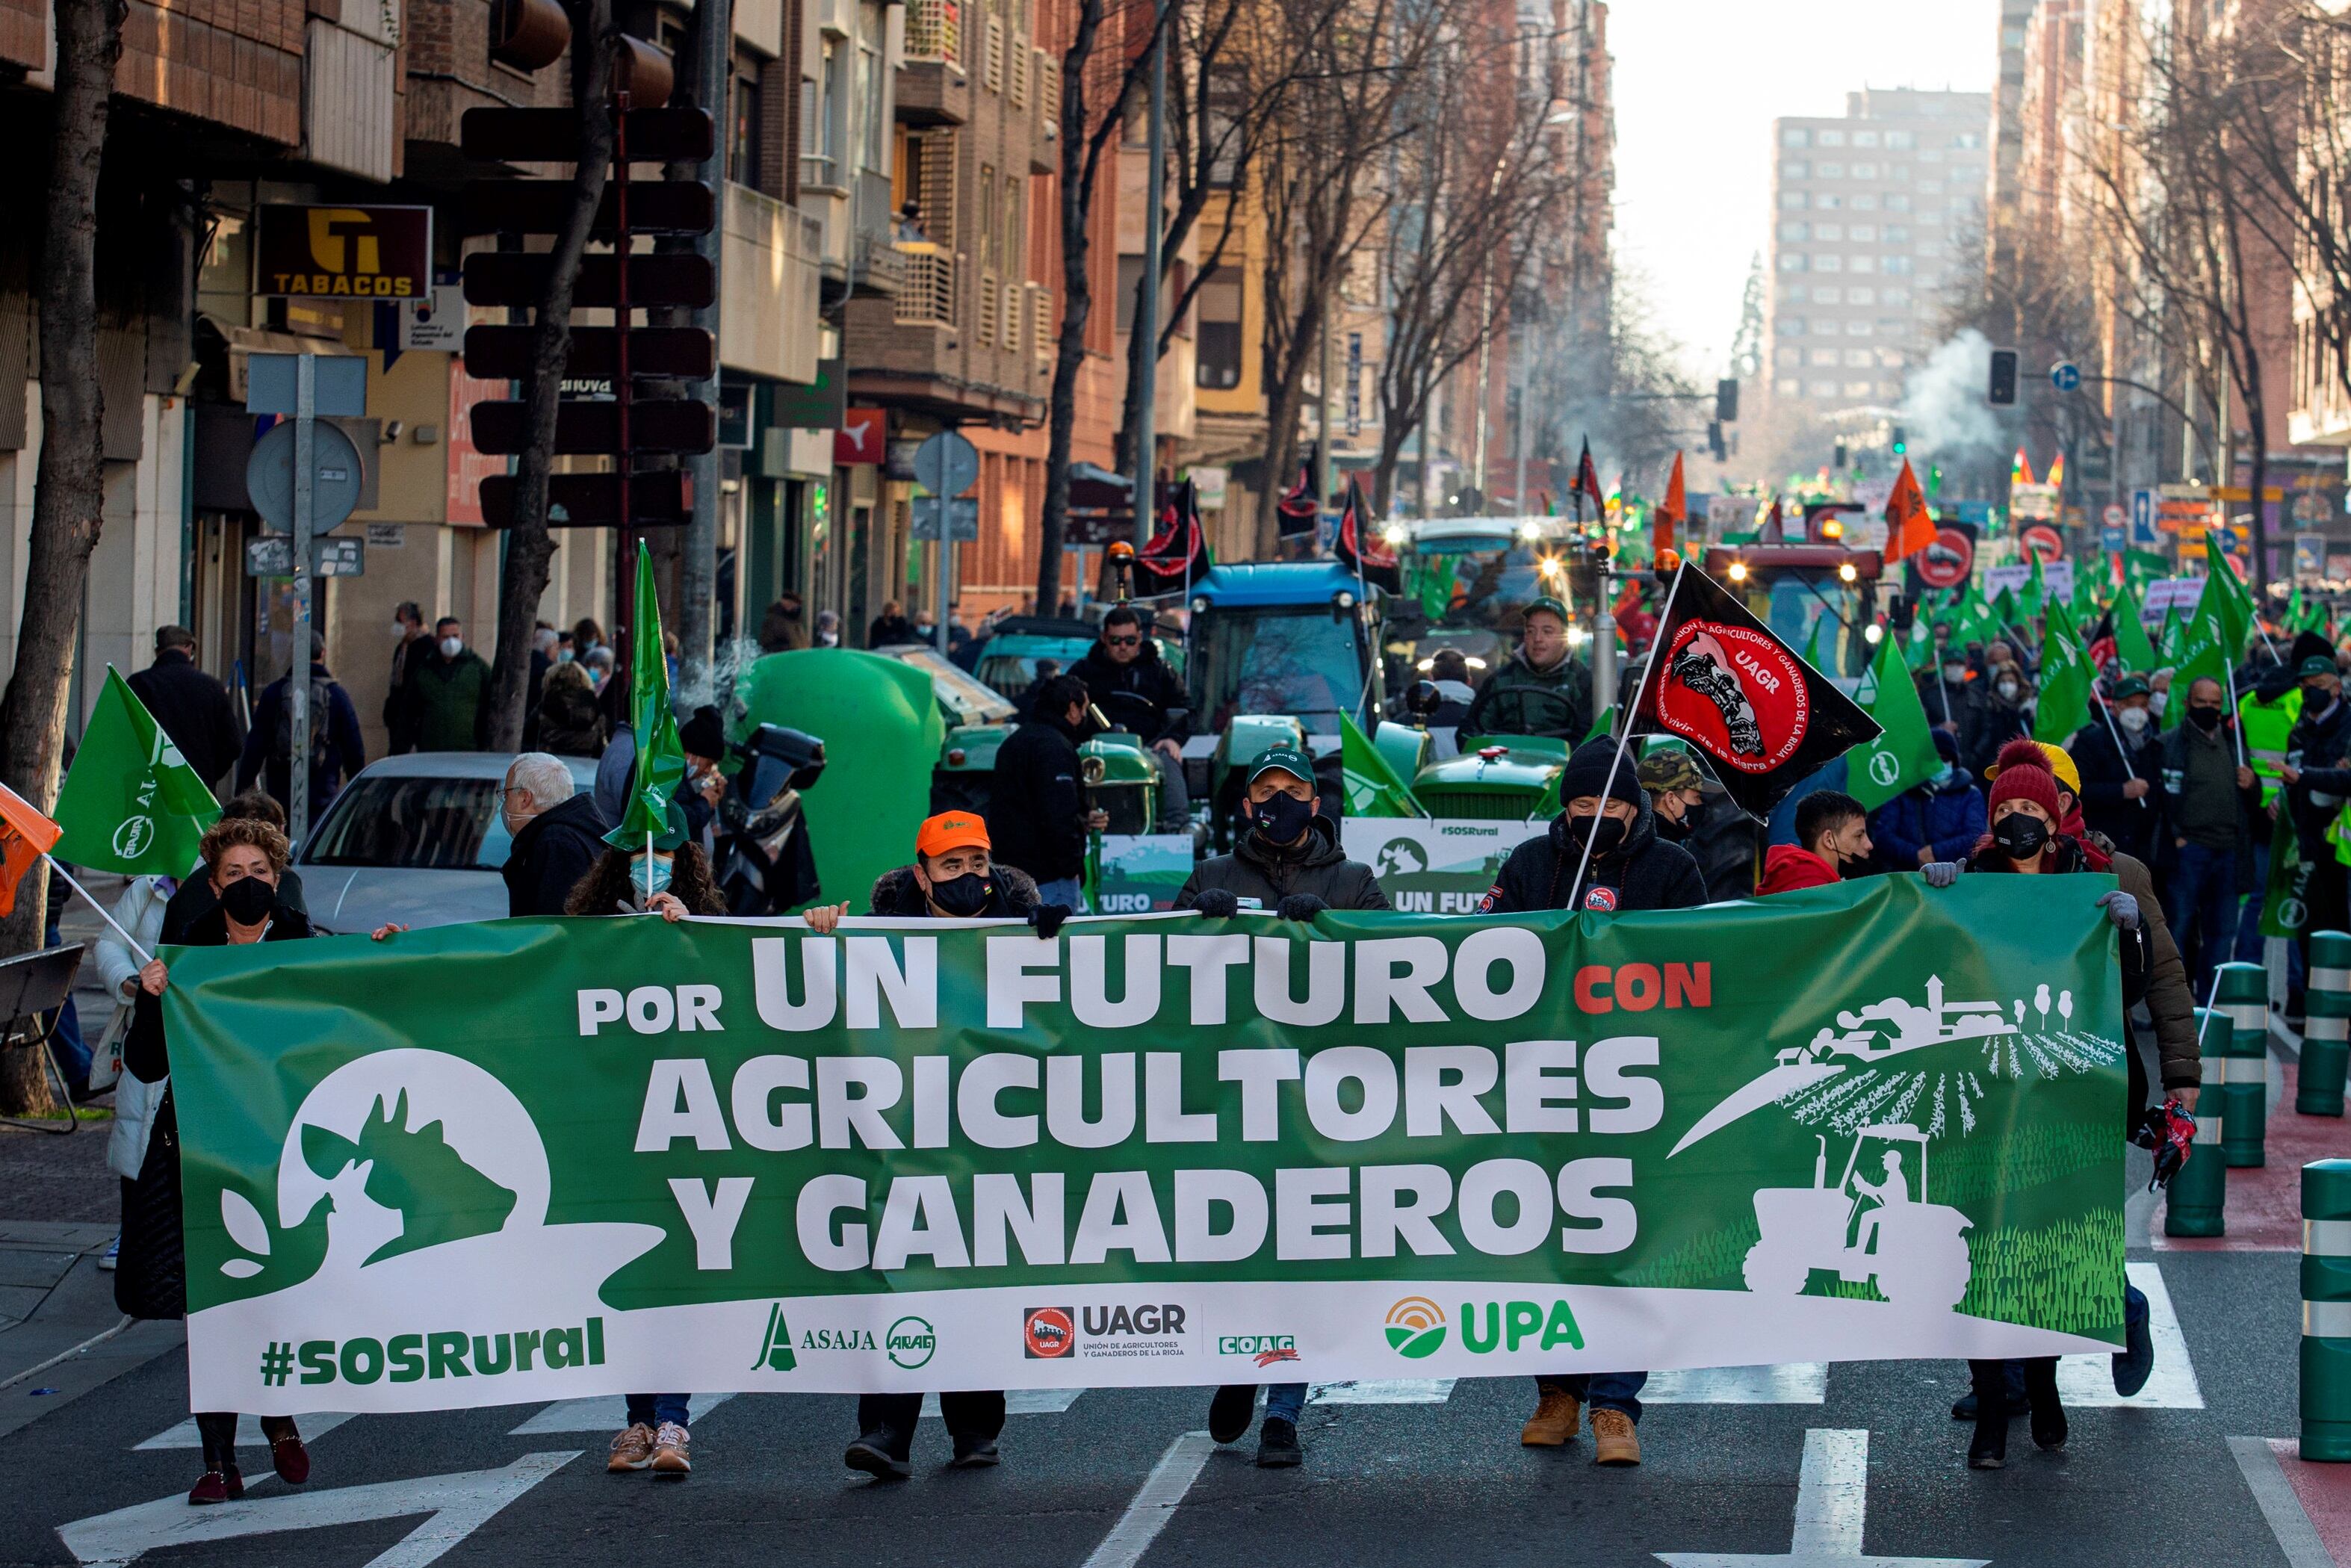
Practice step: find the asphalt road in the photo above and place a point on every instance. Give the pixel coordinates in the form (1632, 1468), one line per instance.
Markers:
(1112, 1480)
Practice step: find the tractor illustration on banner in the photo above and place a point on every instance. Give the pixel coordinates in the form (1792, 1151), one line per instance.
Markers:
(1869, 1225)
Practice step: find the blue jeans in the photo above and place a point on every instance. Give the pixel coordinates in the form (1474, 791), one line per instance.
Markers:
(1064, 893)
(1601, 1390)
(653, 1409)
(1283, 1401)
(2204, 921)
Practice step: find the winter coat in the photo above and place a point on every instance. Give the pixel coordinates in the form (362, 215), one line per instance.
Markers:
(2315, 750)
(139, 911)
(1036, 811)
(449, 701)
(569, 722)
(2104, 771)
(1934, 692)
(194, 899)
(2171, 766)
(1269, 873)
(194, 711)
(1947, 819)
(1012, 896)
(1642, 873)
(1992, 723)
(552, 852)
(1519, 699)
(1787, 868)
(344, 749)
(1140, 695)
(781, 630)
(888, 631)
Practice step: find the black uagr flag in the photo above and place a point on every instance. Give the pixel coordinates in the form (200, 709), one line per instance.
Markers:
(1177, 556)
(1362, 548)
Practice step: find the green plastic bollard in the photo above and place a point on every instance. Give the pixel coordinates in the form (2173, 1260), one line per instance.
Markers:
(2243, 994)
(2326, 1026)
(2326, 1309)
(2197, 1197)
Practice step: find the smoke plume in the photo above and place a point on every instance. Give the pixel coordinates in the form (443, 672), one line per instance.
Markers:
(1943, 407)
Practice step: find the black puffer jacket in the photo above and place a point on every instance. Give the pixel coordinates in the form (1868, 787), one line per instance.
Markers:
(1642, 873)
(1139, 697)
(552, 852)
(1013, 895)
(1037, 812)
(1268, 874)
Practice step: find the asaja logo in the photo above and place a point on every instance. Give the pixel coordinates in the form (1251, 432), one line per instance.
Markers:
(1416, 1327)
(775, 1343)
(911, 1342)
(1047, 1333)
(131, 839)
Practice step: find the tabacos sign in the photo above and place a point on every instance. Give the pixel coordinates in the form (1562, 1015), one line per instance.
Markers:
(349, 253)
(1417, 1327)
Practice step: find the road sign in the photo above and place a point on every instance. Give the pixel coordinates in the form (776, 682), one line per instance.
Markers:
(1949, 559)
(962, 518)
(2114, 516)
(2043, 540)
(2142, 518)
(2111, 539)
(336, 476)
(272, 555)
(2065, 376)
(947, 464)
(340, 385)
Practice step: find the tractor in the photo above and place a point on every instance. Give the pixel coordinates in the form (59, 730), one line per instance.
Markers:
(1915, 1251)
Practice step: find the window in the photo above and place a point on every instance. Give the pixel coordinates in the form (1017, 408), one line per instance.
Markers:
(1824, 388)
(1218, 364)
(1828, 263)
(1897, 202)
(1791, 358)
(1787, 386)
(743, 146)
(1789, 326)
(1828, 201)
(1897, 233)
(1864, 202)
(1829, 171)
(1792, 201)
(1889, 390)
(1930, 155)
(1968, 139)
(1796, 136)
(1894, 295)
(1930, 188)
(1899, 173)
(1865, 171)
(820, 141)
(1826, 294)
(1825, 356)
(1897, 264)
(1857, 389)
(1794, 231)
(1795, 171)
(1792, 294)
(1791, 261)
(1858, 328)
(871, 92)
(1857, 358)
(1832, 139)
(1228, 95)
(1864, 139)
(1828, 231)
(1859, 296)
(1899, 138)
(1889, 359)
(1865, 232)
(1863, 264)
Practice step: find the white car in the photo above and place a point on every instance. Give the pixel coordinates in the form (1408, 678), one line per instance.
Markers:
(416, 838)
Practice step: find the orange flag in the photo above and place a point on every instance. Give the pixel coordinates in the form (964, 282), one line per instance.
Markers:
(1672, 513)
(1910, 526)
(25, 836)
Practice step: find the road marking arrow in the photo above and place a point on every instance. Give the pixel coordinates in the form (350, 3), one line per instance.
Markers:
(1831, 1503)
(457, 1506)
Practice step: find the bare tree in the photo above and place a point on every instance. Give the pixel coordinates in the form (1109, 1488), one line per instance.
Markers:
(595, 41)
(68, 500)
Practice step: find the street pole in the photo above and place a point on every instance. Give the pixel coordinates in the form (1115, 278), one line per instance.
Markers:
(297, 665)
(698, 582)
(1322, 412)
(1427, 412)
(1146, 310)
(1603, 649)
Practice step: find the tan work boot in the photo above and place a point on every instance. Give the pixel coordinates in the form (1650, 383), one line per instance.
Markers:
(632, 1450)
(1555, 1419)
(1614, 1440)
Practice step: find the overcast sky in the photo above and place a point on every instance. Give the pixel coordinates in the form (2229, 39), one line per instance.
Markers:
(1697, 84)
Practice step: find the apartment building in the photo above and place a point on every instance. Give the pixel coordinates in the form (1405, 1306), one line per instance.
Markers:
(1865, 210)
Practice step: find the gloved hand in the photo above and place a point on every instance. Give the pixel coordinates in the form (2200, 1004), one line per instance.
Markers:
(2168, 1129)
(1045, 919)
(2121, 908)
(1941, 873)
(1216, 904)
(1300, 907)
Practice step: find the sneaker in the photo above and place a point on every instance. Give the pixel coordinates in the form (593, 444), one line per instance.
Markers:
(1557, 1416)
(1229, 1412)
(106, 1259)
(672, 1451)
(871, 1454)
(216, 1486)
(632, 1450)
(974, 1452)
(1614, 1440)
(1277, 1445)
(2135, 1361)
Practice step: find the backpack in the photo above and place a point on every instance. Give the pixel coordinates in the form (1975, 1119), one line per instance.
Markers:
(281, 745)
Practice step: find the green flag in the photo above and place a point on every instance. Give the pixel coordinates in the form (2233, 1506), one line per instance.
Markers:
(2136, 652)
(1369, 784)
(1814, 655)
(2008, 615)
(2284, 911)
(2167, 640)
(2065, 679)
(1903, 756)
(2198, 653)
(2293, 610)
(1604, 726)
(2035, 596)
(660, 760)
(131, 804)
(2225, 594)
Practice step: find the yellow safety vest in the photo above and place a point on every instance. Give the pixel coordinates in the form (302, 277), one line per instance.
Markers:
(2267, 727)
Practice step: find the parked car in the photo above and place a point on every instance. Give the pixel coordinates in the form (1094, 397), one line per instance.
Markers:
(416, 838)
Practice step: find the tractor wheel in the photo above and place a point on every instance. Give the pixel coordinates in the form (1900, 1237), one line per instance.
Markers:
(1769, 1271)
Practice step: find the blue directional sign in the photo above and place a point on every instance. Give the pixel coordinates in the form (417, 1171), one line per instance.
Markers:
(2142, 518)
(2066, 375)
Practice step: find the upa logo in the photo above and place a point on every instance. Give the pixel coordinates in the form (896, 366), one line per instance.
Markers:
(1047, 1333)
(1416, 1328)
(1736, 692)
(911, 1342)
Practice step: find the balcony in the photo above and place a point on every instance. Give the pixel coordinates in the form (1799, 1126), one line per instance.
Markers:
(768, 278)
(935, 32)
(932, 89)
(926, 287)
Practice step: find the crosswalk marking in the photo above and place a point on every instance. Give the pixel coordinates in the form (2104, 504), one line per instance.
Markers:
(609, 1414)
(1383, 1391)
(1832, 1511)
(313, 1426)
(1155, 1505)
(1792, 1382)
(1019, 1402)
(2088, 1381)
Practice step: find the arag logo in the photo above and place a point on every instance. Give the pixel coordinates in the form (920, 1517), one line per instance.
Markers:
(911, 1342)
(1047, 1333)
(1416, 1328)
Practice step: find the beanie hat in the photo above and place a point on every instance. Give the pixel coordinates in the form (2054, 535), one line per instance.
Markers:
(1587, 774)
(1946, 746)
(2024, 779)
(2038, 753)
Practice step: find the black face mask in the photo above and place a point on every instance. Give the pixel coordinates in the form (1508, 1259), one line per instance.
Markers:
(2018, 836)
(2206, 719)
(962, 896)
(1604, 836)
(248, 900)
(1281, 818)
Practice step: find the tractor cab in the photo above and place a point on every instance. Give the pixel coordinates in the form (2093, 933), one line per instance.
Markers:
(1798, 589)
(1292, 641)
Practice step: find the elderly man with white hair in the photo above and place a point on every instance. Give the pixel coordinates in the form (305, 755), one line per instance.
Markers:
(558, 833)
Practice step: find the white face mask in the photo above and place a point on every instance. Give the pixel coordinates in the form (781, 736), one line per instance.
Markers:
(451, 646)
(399, 628)
(2132, 719)
(2008, 689)
(1955, 673)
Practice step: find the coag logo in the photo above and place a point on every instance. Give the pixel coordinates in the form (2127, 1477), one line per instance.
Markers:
(911, 1342)
(1416, 1327)
(1047, 1333)
(1266, 1348)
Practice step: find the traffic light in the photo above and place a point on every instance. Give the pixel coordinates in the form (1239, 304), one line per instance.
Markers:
(2002, 391)
(1837, 459)
(606, 416)
(1901, 442)
(1726, 400)
(1714, 441)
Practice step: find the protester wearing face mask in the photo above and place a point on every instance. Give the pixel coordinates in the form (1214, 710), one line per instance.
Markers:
(2317, 776)
(1677, 792)
(1943, 686)
(1832, 844)
(2118, 756)
(1631, 869)
(1938, 820)
(557, 834)
(954, 876)
(2211, 800)
(2000, 709)
(1037, 812)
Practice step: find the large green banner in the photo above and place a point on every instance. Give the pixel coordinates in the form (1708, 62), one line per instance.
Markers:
(542, 1159)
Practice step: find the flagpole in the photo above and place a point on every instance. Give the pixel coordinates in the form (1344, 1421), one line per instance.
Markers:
(2107, 713)
(104, 914)
(1624, 716)
(2228, 676)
